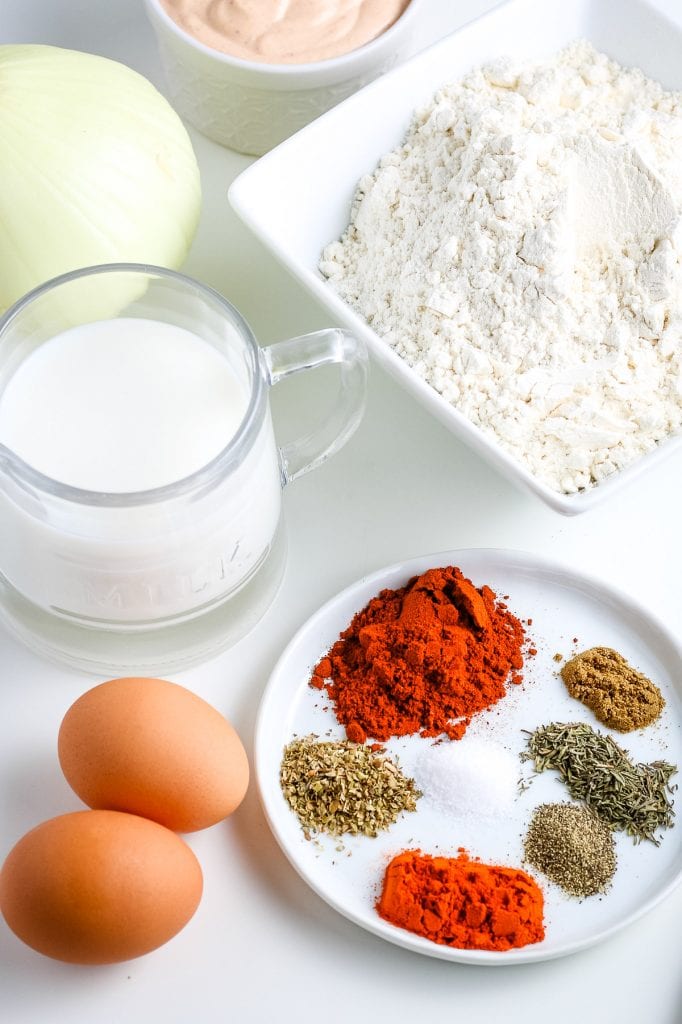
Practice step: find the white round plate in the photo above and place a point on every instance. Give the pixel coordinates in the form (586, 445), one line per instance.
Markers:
(569, 612)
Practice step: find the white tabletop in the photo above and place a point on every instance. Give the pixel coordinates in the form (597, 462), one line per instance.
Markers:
(262, 946)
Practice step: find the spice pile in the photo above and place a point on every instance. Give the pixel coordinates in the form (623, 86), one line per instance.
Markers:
(620, 696)
(571, 846)
(459, 902)
(468, 780)
(422, 659)
(343, 787)
(633, 798)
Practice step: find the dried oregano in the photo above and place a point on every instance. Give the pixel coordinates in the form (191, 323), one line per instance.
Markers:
(633, 798)
(344, 787)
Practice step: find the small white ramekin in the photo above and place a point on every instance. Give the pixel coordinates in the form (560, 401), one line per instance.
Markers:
(251, 106)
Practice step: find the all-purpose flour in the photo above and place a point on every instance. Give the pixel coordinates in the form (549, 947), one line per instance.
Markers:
(522, 251)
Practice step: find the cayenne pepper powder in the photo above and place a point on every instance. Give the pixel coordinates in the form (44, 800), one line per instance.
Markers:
(459, 902)
(422, 659)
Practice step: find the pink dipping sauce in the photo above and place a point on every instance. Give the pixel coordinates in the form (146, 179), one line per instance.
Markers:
(284, 31)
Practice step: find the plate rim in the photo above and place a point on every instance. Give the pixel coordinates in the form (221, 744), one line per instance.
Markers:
(382, 929)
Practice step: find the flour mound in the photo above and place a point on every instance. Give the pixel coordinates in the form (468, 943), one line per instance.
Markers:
(522, 251)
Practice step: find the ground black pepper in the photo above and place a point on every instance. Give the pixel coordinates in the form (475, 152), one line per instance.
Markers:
(571, 846)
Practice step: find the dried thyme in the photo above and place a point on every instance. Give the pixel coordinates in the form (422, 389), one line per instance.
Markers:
(572, 847)
(633, 798)
(344, 788)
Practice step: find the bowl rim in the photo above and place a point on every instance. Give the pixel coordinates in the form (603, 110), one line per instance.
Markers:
(304, 69)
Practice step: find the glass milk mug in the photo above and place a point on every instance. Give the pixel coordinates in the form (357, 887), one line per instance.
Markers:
(161, 578)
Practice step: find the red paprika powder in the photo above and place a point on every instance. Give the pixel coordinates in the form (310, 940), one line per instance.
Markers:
(422, 659)
(455, 901)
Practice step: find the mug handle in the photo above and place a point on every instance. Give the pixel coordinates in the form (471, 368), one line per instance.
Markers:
(307, 352)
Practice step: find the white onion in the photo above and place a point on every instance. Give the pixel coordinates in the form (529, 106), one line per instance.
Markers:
(95, 167)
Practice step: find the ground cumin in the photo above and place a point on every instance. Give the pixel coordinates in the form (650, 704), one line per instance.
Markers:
(459, 902)
(620, 696)
(422, 659)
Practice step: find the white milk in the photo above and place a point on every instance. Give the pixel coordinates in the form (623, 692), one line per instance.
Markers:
(121, 405)
(128, 405)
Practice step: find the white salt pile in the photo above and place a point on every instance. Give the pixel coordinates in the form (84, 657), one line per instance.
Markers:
(470, 777)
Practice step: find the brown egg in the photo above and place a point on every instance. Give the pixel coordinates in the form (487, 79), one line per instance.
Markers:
(153, 748)
(96, 887)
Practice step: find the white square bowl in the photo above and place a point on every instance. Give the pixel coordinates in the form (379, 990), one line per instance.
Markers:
(297, 198)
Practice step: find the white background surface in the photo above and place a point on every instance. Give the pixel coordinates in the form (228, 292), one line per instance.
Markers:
(262, 946)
